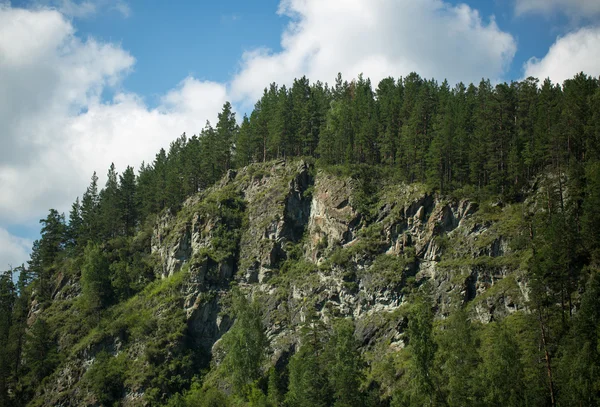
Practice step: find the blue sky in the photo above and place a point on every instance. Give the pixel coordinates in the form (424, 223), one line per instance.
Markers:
(90, 82)
(171, 40)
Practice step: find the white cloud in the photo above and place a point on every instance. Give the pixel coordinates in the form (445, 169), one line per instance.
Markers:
(378, 38)
(55, 130)
(14, 251)
(85, 8)
(572, 8)
(575, 52)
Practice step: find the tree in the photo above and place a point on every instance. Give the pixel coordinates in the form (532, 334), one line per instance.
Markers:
(89, 211)
(579, 366)
(226, 132)
(389, 100)
(45, 252)
(128, 210)
(75, 227)
(308, 382)
(590, 222)
(456, 359)
(302, 137)
(482, 133)
(246, 146)
(344, 365)
(95, 279)
(53, 237)
(500, 374)
(8, 298)
(105, 377)
(365, 122)
(40, 353)
(245, 345)
(175, 185)
(419, 387)
(440, 150)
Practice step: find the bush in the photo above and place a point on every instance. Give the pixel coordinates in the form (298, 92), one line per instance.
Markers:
(105, 378)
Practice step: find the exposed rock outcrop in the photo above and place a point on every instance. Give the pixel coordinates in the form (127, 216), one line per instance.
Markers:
(301, 242)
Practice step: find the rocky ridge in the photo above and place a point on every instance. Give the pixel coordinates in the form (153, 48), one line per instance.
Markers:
(305, 242)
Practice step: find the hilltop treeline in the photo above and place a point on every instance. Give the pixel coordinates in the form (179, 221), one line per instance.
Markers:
(491, 139)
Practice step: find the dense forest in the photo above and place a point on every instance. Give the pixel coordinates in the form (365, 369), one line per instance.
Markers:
(485, 142)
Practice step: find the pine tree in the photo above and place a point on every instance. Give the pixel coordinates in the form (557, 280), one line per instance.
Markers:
(579, 367)
(226, 133)
(39, 353)
(344, 365)
(146, 192)
(245, 145)
(108, 207)
(245, 344)
(364, 122)
(75, 227)
(456, 359)
(8, 298)
(159, 181)
(174, 193)
(482, 134)
(389, 100)
(308, 382)
(128, 210)
(440, 150)
(89, 211)
(500, 374)
(318, 106)
(95, 280)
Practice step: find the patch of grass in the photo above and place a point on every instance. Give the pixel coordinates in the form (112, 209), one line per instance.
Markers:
(387, 271)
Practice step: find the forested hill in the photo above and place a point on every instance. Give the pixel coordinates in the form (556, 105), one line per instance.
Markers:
(408, 245)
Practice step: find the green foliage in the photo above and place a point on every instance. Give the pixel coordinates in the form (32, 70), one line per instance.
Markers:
(40, 353)
(419, 386)
(485, 142)
(308, 382)
(344, 365)
(456, 359)
(500, 374)
(244, 344)
(95, 279)
(105, 378)
(198, 396)
(579, 365)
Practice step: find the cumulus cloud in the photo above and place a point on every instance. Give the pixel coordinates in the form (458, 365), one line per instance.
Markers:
(55, 128)
(378, 38)
(13, 250)
(575, 52)
(573, 8)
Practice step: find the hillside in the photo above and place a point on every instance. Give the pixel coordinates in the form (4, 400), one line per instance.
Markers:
(323, 276)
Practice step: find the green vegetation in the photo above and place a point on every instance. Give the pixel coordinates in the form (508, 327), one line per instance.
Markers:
(89, 304)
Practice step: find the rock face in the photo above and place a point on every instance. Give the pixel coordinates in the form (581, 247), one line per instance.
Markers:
(306, 243)
(352, 264)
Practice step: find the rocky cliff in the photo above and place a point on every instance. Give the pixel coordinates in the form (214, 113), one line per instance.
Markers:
(303, 242)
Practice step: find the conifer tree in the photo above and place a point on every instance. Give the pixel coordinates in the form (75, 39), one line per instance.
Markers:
(245, 144)
(89, 211)
(226, 132)
(128, 210)
(109, 205)
(75, 226)
(95, 279)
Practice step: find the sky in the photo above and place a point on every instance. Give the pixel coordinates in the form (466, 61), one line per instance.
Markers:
(85, 83)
